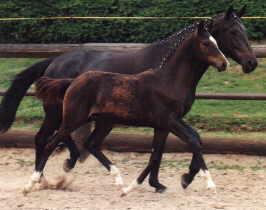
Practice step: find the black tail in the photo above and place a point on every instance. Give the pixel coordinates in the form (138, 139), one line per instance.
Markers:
(52, 91)
(17, 90)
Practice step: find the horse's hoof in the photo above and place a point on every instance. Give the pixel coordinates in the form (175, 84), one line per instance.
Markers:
(67, 166)
(185, 181)
(161, 189)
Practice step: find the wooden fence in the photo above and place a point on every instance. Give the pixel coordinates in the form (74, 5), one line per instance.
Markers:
(48, 50)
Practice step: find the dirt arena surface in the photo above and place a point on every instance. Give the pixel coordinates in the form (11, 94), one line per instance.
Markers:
(240, 180)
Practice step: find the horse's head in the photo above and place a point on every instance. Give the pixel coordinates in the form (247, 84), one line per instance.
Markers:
(231, 38)
(207, 50)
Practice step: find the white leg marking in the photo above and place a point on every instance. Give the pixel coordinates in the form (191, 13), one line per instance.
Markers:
(201, 173)
(126, 190)
(118, 178)
(210, 183)
(35, 177)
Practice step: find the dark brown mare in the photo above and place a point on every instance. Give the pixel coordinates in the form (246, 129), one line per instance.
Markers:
(157, 98)
(227, 30)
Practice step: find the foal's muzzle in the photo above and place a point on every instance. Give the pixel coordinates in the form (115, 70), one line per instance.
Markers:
(223, 65)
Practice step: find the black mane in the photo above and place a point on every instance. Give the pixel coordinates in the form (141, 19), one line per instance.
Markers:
(172, 42)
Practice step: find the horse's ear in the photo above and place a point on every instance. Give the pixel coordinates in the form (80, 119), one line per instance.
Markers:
(242, 11)
(229, 12)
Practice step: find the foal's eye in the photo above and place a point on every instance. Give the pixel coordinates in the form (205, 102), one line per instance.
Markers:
(234, 33)
(206, 44)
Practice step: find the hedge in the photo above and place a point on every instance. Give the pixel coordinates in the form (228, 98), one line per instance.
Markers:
(81, 31)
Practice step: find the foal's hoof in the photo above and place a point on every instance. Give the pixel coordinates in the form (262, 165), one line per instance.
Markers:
(83, 156)
(161, 189)
(185, 181)
(67, 165)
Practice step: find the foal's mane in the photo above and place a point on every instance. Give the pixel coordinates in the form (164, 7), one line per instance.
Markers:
(173, 42)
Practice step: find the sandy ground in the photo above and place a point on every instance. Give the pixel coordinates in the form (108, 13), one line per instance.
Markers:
(240, 183)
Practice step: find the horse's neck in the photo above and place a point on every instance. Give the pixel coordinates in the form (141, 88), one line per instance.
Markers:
(151, 56)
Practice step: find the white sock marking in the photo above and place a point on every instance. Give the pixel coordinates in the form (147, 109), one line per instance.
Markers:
(35, 177)
(126, 190)
(210, 183)
(201, 173)
(116, 172)
(214, 41)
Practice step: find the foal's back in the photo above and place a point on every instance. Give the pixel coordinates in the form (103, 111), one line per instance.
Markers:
(124, 98)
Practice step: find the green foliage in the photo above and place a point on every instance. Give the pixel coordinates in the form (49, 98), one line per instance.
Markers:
(80, 31)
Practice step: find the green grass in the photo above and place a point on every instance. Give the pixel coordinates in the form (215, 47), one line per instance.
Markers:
(210, 117)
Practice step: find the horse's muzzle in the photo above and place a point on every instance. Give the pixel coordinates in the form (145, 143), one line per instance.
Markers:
(249, 65)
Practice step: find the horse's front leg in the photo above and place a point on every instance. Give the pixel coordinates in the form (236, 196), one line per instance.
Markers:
(192, 138)
(153, 165)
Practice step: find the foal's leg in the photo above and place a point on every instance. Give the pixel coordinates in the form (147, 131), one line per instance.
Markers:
(80, 137)
(158, 144)
(191, 137)
(153, 165)
(53, 112)
(74, 154)
(102, 129)
(206, 173)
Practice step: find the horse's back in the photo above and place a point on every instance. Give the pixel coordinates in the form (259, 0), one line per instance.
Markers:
(72, 64)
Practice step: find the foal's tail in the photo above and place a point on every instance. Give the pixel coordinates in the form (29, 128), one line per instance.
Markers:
(52, 91)
(17, 91)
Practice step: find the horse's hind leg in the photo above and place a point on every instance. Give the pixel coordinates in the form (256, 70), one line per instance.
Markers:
(192, 138)
(158, 144)
(47, 129)
(50, 125)
(102, 129)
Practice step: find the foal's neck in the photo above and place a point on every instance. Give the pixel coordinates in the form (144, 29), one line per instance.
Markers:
(183, 69)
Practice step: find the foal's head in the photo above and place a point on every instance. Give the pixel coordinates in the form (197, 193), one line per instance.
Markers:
(231, 37)
(206, 49)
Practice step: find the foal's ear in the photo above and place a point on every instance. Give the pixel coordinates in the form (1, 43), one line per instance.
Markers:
(229, 12)
(201, 27)
(242, 11)
(209, 24)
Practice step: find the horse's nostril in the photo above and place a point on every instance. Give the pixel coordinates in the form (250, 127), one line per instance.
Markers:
(255, 63)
